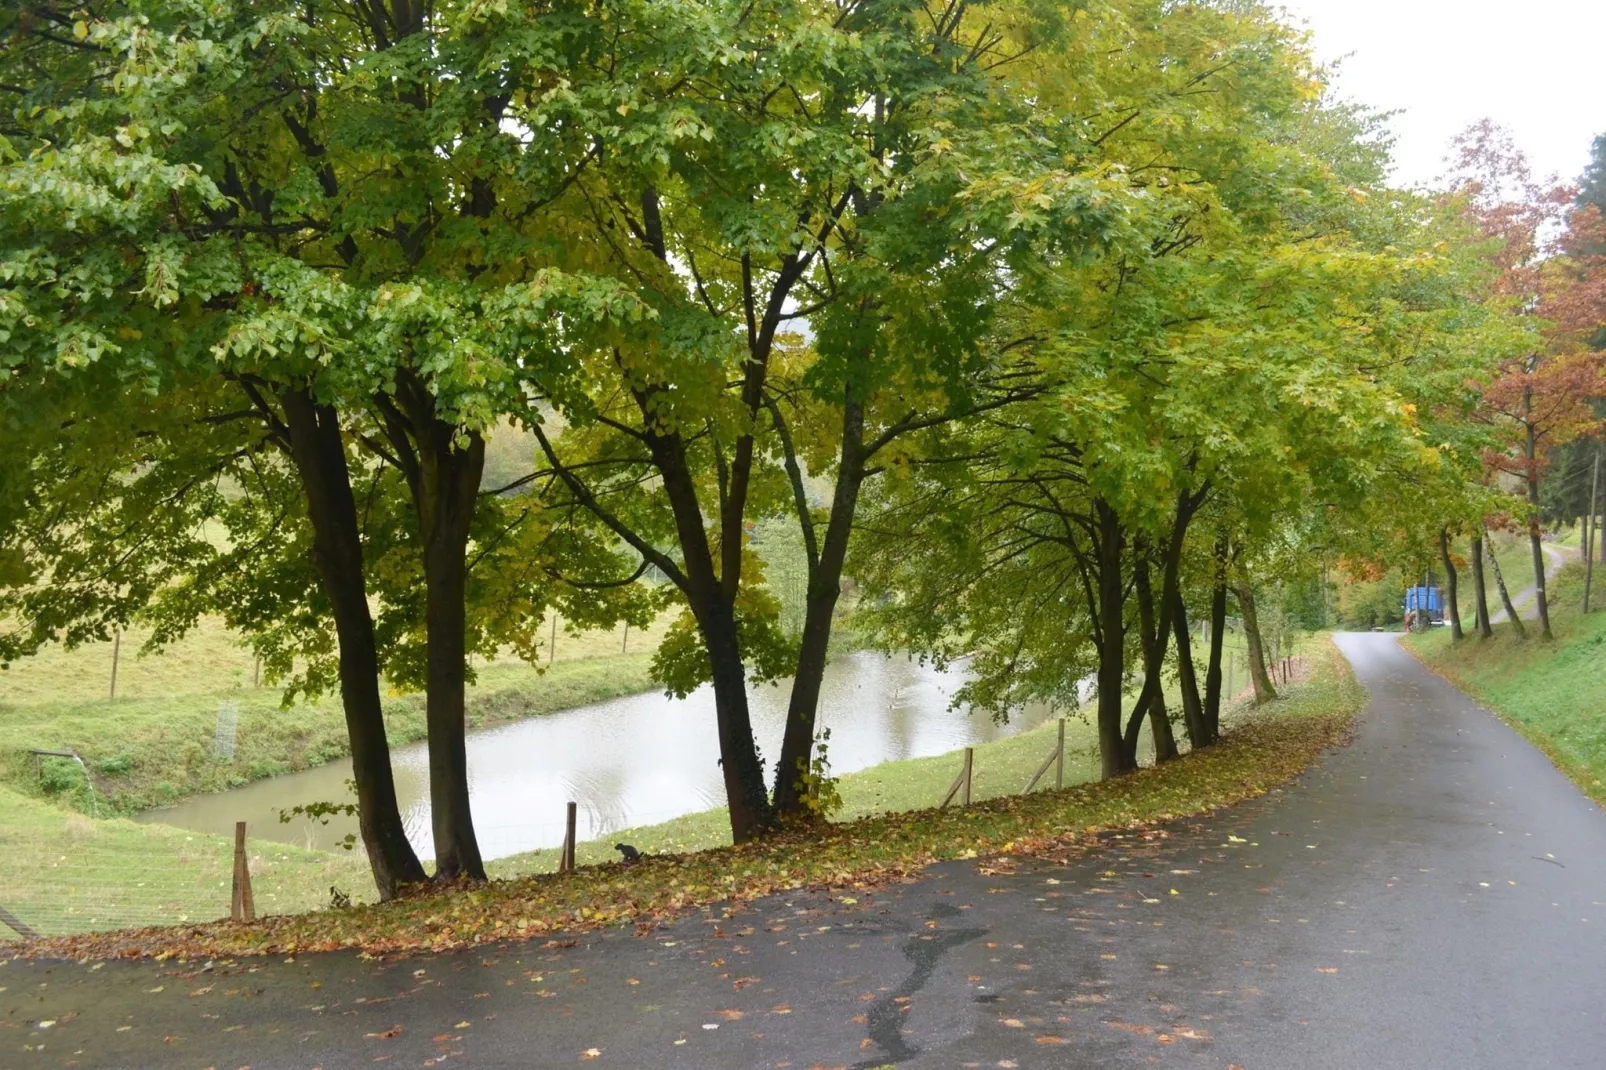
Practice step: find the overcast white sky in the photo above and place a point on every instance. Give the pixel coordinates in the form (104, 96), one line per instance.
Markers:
(1534, 66)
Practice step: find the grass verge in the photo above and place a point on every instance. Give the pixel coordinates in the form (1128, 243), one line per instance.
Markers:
(1259, 754)
(65, 872)
(1551, 692)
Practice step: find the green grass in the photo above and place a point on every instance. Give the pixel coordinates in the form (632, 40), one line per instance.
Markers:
(1554, 693)
(1260, 753)
(155, 743)
(67, 873)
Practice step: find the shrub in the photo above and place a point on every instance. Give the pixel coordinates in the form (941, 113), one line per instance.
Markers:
(265, 769)
(117, 765)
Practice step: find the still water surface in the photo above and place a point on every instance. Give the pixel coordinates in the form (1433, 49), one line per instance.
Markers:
(627, 762)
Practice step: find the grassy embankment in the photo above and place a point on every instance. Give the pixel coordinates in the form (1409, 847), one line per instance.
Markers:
(1553, 693)
(156, 742)
(1260, 752)
(999, 768)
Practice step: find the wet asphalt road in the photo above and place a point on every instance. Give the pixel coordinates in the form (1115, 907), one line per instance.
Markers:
(1430, 896)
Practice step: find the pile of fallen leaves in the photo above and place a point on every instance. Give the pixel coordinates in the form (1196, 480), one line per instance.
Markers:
(1261, 754)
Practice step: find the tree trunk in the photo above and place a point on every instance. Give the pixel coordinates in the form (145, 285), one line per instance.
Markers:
(444, 478)
(1218, 630)
(1264, 692)
(451, 489)
(1505, 598)
(1165, 743)
(318, 452)
(1193, 719)
(1591, 532)
(1479, 590)
(749, 805)
(1534, 541)
(1113, 756)
(1153, 695)
(824, 587)
(1452, 607)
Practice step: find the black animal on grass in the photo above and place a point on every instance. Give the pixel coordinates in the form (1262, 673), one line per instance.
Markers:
(629, 852)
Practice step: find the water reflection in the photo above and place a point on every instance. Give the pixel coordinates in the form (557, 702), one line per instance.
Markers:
(626, 762)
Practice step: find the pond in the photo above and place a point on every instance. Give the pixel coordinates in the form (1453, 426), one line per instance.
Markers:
(626, 762)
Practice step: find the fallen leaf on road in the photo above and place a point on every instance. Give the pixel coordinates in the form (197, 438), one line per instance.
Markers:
(1049, 1038)
(393, 1031)
(1327, 969)
(1013, 1023)
(591, 1053)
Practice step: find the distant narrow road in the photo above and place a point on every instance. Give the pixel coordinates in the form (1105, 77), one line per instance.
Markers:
(1432, 896)
(1526, 600)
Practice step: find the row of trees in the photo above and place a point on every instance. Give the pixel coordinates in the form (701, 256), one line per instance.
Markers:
(1089, 316)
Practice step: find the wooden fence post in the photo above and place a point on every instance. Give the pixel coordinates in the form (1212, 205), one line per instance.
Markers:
(566, 860)
(243, 906)
(117, 651)
(1056, 758)
(960, 781)
(1059, 758)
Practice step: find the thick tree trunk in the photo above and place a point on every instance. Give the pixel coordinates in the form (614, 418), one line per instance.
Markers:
(1165, 743)
(1264, 692)
(1193, 719)
(1218, 630)
(443, 465)
(749, 805)
(1505, 598)
(1110, 543)
(1452, 607)
(825, 585)
(451, 484)
(1480, 591)
(318, 452)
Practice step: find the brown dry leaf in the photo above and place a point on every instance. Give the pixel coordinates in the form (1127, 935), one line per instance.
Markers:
(590, 1053)
(393, 1031)
(1327, 969)
(730, 1014)
(1013, 1023)
(1049, 1038)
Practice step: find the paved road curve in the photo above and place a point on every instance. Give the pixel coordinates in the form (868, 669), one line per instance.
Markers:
(1431, 896)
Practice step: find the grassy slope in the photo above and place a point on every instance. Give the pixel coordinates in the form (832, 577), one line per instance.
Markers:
(999, 768)
(1261, 753)
(164, 721)
(1553, 693)
(65, 872)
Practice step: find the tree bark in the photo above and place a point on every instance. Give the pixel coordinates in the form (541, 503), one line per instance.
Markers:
(1590, 530)
(1479, 590)
(1111, 638)
(1165, 743)
(1218, 629)
(1534, 541)
(315, 446)
(824, 588)
(1505, 598)
(444, 477)
(1193, 718)
(1264, 692)
(1451, 605)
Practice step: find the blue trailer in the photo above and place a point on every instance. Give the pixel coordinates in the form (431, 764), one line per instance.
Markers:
(1423, 608)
